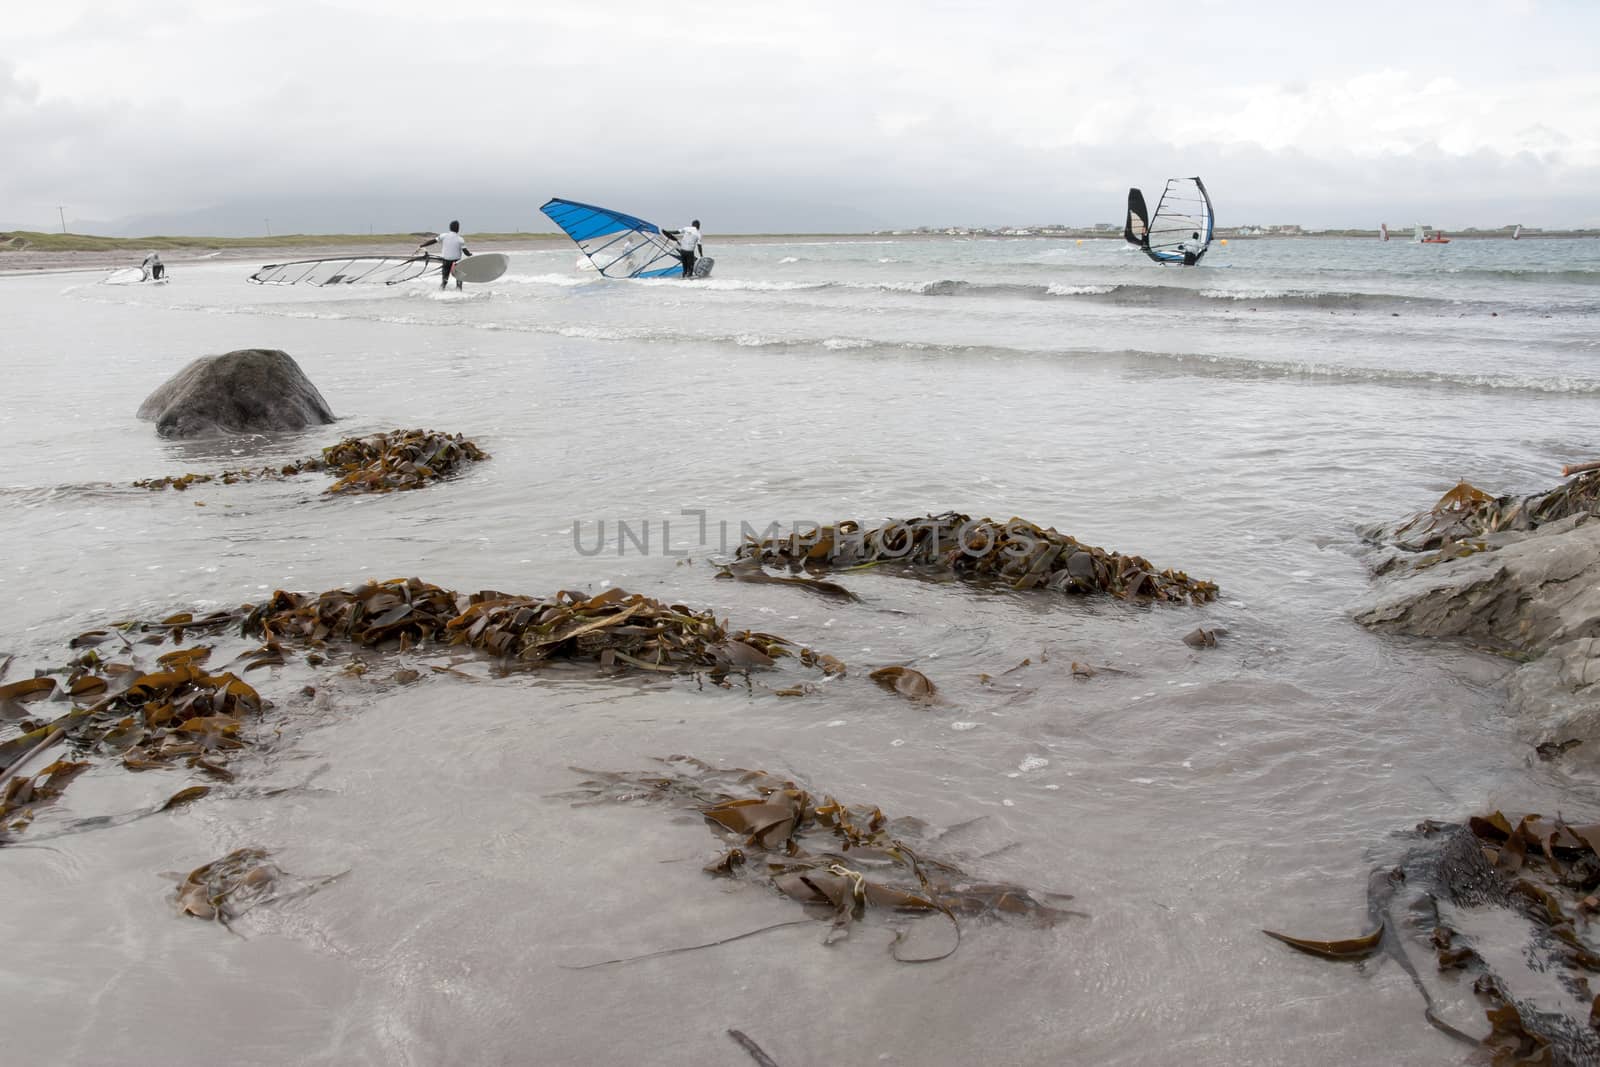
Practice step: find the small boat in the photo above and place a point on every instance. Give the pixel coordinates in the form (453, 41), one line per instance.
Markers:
(1423, 237)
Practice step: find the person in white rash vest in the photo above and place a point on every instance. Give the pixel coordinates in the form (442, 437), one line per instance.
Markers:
(452, 246)
(152, 266)
(1191, 249)
(689, 250)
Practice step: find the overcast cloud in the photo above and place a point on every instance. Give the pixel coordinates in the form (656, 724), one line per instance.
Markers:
(179, 117)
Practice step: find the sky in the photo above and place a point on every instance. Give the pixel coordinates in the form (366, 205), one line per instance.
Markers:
(239, 118)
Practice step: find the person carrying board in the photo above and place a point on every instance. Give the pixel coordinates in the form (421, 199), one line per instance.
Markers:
(452, 246)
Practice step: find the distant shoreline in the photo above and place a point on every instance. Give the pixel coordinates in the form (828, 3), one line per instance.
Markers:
(25, 253)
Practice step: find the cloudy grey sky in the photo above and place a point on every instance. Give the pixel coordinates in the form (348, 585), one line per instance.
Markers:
(190, 117)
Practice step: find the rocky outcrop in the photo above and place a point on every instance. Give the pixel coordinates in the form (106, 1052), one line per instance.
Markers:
(251, 390)
(1526, 592)
(1534, 593)
(1557, 701)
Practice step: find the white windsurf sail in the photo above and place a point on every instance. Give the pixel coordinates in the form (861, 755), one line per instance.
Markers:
(1419, 236)
(1516, 234)
(346, 270)
(619, 245)
(1182, 227)
(1383, 231)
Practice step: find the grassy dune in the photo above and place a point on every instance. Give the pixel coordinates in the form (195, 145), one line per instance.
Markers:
(79, 242)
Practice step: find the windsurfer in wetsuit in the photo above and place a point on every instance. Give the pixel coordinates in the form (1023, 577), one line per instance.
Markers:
(688, 240)
(1192, 249)
(152, 266)
(452, 246)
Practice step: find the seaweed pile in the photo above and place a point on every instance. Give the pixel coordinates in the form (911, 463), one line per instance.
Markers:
(843, 859)
(1543, 869)
(179, 711)
(1016, 553)
(1467, 513)
(1549, 872)
(144, 719)
(615, 629)
(377, 463)
(244, 879)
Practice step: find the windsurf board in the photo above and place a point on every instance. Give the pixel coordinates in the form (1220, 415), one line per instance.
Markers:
(484, 267)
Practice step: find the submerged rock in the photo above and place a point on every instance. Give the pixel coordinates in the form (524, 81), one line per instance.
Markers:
(1530, 586)
(249, 390)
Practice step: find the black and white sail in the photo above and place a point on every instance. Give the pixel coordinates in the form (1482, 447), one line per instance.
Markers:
(1182, 227)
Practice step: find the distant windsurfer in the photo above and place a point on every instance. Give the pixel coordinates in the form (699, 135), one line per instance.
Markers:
(1192, 248)
(689, 249)
(154, 269)
(452, 246)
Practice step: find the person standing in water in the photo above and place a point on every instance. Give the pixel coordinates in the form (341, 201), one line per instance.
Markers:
(689, 250)
(452, 246)
(1192, 249)
(153, 268)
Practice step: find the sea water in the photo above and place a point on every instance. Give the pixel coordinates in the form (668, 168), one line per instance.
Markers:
(1240, 421)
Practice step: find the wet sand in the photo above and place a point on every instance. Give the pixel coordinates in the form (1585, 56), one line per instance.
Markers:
(49, 262)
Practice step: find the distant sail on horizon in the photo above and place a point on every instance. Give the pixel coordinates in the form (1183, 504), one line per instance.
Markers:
(1183, 218)
(1383, 231)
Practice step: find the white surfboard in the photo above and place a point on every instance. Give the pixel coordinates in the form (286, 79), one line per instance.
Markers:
(485, 267)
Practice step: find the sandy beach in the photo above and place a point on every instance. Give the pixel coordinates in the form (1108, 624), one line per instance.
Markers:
(29, 261)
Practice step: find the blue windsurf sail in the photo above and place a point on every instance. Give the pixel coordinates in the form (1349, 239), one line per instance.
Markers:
(619, 245)
(1181, 229)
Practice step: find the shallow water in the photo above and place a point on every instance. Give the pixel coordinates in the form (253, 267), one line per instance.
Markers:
(1238, 421)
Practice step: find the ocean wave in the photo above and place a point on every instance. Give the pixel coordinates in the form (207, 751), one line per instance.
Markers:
(1219, 366)
(569, 281)
(1155, 295)
(1079, 290)
(1288, 370)
(1542, 275)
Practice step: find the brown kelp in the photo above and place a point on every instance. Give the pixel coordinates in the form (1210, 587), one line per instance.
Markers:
(377, 463)
(1541, 868)
(907, 681)
(1015, 553)
(614, 629)
(843, 859)
(1466, 514)
(142, 717)
(176, 710)
(244, 879)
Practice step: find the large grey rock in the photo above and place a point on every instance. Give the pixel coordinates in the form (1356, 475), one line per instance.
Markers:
(250, 390)
(1528, 593)
(1555, 699)
(1536, 592)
